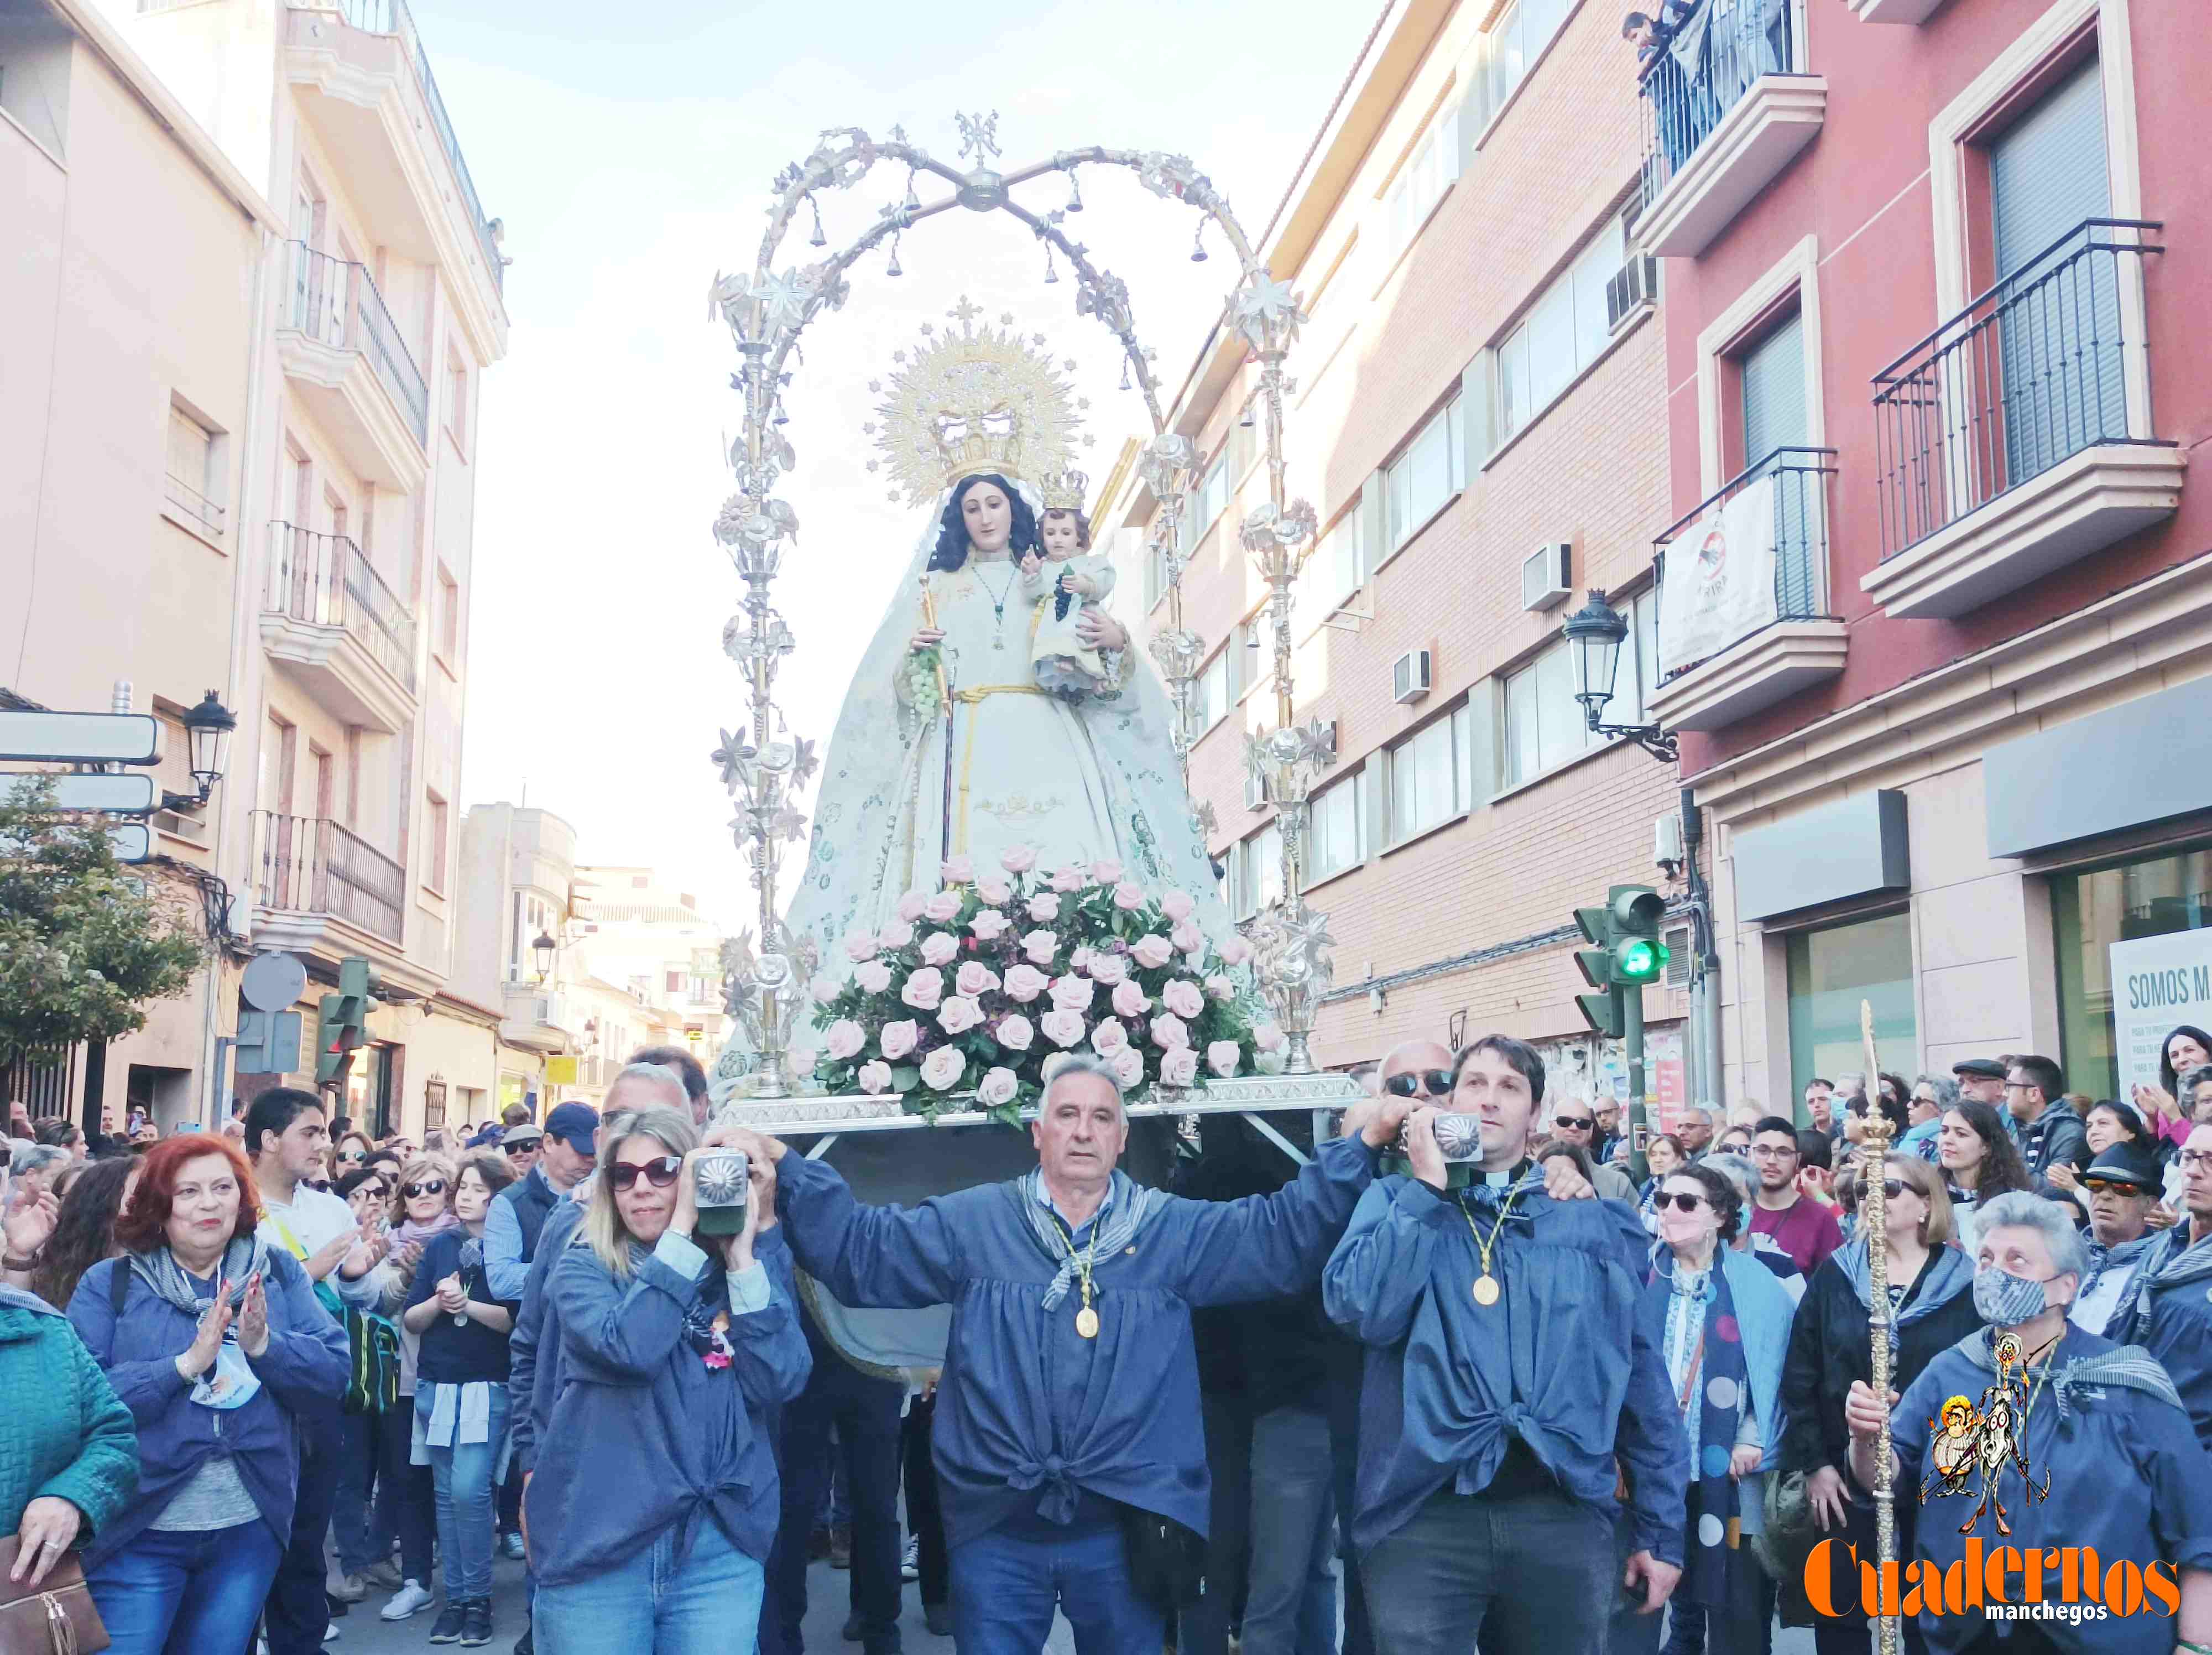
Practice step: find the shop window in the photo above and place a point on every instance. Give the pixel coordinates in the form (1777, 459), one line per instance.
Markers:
(2110, 1037)
(1830, 972)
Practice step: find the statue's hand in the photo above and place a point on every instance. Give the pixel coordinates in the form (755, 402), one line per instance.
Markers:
(1100, 630)
(1031, 566)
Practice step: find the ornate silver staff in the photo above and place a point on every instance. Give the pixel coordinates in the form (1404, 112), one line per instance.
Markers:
(1872, 1168)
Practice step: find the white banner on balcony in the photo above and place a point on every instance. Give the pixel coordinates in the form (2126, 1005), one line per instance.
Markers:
(1719, 580)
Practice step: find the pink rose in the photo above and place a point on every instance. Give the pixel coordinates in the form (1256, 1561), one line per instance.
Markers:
(1062, 1028)
(873, 976)
(997, 1087)
(1169, 1032)
(896, 935)
(1179, 1068)
(1222, 1056)
(910, 906)
(1108, 1038)
(1053, 1063)
(1129, 1000)
(1040, 947)
(1014, 1032)
(897, 1039)
(1109, 968)
(1072, 993)
(1044, 906)
(1128, 894)
(992, 890)
(1183, 997)
(940, 908)
(1065, 880)
(1151, 952)
(803, 1059)
(824, 988)
(1079, 958)
(942, 1070)
(938, 947)
(958, 870)
(975, 978)
(1267, 1037)
(924, 989)
(874, 1076)
(1020, 859)
(1025, 983)
(958, 1014)
(1220, 988)
(1235, 951)
(1177, 905)
(843, 1039)
(860, 945)
(1105, 872)
(989, 925)
(1188, 938)
(1130, 1064)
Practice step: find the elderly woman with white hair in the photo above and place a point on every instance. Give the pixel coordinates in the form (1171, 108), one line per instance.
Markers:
(2109, 1458)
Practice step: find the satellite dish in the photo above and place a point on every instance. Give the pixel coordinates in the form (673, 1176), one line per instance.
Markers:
(273, 981)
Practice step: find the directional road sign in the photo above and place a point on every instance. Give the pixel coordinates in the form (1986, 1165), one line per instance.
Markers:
(82, 738)
(132, 842)
(117, 795)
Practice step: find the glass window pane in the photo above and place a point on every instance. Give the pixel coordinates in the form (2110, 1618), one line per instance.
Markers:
(1830, 972)
(1513, 405)
(1523, 758)
(1462, 789)
(1563, 730)
(1430, 459)
(2154, 896)
(1596, 266)
(1552, 344)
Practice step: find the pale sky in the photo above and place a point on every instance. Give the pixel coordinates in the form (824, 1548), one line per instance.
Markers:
(628, 150)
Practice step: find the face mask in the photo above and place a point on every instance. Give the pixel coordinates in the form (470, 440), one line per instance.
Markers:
(2005, 1300)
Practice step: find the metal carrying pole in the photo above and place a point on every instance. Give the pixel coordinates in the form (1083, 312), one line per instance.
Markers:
(1872, 1168)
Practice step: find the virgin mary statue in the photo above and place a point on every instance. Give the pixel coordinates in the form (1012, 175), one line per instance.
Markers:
(979, 424)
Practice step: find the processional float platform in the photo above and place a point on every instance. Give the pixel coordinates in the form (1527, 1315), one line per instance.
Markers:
(861, 1113)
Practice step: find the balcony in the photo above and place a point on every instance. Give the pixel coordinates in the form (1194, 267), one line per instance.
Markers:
(1725, 109)
(2016, 439)
(330, 621)
(319, 888)
(344, 353)
(1728, 652)
(366, 88)
(534, 1017)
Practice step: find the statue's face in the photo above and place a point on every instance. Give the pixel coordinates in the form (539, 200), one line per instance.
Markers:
(989, 517)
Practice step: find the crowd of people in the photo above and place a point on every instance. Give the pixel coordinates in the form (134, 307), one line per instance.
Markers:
(1516, 1400)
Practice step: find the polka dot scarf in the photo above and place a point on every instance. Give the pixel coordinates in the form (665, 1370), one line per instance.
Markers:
(1712, 1386)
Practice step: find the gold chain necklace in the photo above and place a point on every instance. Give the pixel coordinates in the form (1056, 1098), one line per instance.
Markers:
(1086, 1319)
(1485, 1285)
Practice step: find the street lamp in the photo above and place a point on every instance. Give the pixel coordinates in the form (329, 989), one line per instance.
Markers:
(208, 729)
(1597, 630)
(542, 948)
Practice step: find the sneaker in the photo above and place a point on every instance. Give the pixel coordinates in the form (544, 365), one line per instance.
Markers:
(412, 1597)
(911, 1559)
(331, 1633)
(511, 1543)
(385, 1576)
(346, 1588)
(840, 1547)
(938, 1617)
(450, 1622)
(475, 1623)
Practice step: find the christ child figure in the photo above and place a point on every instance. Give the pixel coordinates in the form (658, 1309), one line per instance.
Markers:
(1065, 664)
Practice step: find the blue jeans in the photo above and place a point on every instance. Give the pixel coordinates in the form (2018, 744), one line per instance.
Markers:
(186, 1593)
(1293, 1507)
(357, 1457)
(710, 1605)
(1007, 1582)
(461, 1475)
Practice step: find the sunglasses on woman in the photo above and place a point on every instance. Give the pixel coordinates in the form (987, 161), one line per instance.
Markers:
(1893, 1188)
(1681, 1200)
(373, 1192)
(428, 1187)
(1438, 1082)
(624, 1175)
(353, 1157)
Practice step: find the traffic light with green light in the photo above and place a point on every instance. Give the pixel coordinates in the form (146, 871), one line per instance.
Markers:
(1633, 913)
(1601, 1010)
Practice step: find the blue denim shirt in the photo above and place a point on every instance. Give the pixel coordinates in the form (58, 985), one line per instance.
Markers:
(1559, 1361)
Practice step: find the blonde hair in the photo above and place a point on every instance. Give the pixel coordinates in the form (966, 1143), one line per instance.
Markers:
(421, 1167)
(1936, 1229)
(603, 1229)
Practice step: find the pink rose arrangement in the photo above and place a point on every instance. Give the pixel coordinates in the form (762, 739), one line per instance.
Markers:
(970, 995)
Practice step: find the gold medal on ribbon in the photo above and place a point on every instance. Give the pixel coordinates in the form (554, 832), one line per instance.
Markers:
(1486, 1290)
(1086, 1323)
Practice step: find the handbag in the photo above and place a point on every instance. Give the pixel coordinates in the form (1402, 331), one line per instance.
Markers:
(373, 1351)
(56, 1617)
(1167, 1561)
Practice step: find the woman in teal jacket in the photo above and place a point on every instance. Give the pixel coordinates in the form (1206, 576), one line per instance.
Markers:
(69, 1454)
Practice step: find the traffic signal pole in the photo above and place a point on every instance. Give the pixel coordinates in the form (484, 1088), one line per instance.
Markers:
(1632, 1035)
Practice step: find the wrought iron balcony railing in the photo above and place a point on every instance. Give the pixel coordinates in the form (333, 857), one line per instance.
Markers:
(2031, 373)
(1702, 71)
(327, 580)
(336, 303)
(310, 865)
(1801, 534)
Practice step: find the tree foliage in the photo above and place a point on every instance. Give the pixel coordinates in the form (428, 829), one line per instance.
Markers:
(82, 947)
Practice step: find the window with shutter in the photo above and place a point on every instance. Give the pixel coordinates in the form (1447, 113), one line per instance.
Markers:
(191, 466)
(1774, 414)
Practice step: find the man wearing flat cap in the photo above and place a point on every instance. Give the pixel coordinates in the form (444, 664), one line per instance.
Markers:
(2121, 1188)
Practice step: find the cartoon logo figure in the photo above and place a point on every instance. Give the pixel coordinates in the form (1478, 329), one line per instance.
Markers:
(1985, 1439)
(1712, 555)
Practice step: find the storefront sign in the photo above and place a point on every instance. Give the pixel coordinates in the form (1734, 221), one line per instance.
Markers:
(2157, 983)
(1719, 582)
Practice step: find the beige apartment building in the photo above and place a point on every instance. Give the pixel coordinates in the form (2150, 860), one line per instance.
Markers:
(647, 964)
(308, 371)
(1479, 415)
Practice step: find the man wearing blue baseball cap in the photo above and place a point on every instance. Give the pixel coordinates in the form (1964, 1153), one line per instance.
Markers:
(512, 1227)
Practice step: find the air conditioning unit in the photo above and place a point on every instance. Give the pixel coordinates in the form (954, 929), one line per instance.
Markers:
(1545, 575)
(1676, 942)
(1410, 677)
(1633, 289)
(1255, 794)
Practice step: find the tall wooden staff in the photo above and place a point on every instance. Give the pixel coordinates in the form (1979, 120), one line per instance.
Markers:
(1872, 1168)
(944, 702)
